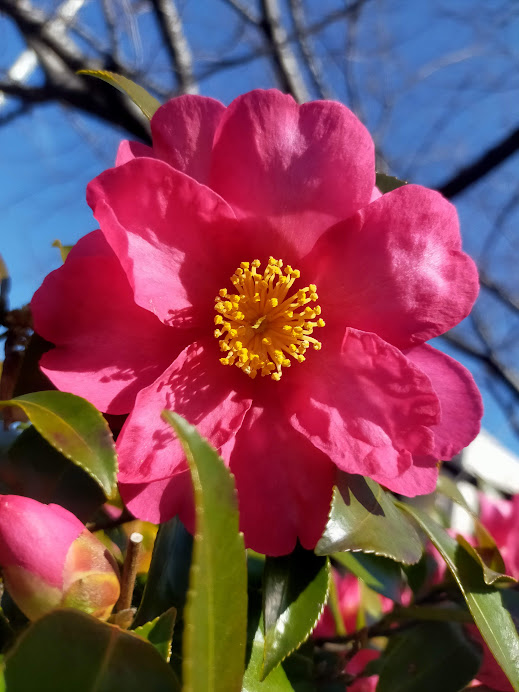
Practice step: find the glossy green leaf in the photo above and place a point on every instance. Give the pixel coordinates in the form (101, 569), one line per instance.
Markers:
(216, 611)
(486, 551)
(76, 429)
(490, 561)
(364, 517)
(63, 249)
(295, 589)
(33, 468)
(159, 632)
(387, 183)
(276, 681)
(68, 650)
(146, 102)
(429, 657)
(485, 602)
(379, 573)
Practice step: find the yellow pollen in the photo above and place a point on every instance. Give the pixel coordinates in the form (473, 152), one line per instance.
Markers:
(266, 324)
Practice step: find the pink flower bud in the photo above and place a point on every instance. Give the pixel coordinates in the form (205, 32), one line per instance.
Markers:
(49, 559)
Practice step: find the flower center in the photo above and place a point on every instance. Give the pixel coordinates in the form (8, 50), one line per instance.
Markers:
(261, 327)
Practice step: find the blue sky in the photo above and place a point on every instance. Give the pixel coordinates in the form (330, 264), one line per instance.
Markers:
(449, 77)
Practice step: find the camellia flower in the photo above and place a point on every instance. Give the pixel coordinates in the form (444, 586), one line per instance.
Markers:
(49, 559)
(249, 276)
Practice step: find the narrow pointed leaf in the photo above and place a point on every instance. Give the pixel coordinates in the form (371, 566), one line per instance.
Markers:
(146, 102)
(159, 632)
(68, 650)
(364, 517)
(216, 612)
(379, 573)
(387, 183)
(76, 429)
(486, 551)
(276, 681)
(429, 657)
(490, 561)
(295, 589)
(486, 603)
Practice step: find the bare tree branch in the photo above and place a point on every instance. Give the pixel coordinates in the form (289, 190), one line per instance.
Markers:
(481, 166)
(176, 44)
(312, 63)
(285, 62)
(244, 11)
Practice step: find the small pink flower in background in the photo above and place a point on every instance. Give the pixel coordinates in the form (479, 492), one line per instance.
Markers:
(247, 277)
(49, 559)
(349, 599)
(356, 666)
(501, 518)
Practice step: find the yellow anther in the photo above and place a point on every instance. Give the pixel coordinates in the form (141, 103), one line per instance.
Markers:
(265, 324)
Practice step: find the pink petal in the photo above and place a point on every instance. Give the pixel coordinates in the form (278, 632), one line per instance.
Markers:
(209, 395)
(154, 217)
(107, 347)
(183, 132)
(396, 268)
(461, 403)
(159, 501)
(130, 150)
(36, 536)
(284, 484)
(370, 409)
(306, 166)
(419, 479)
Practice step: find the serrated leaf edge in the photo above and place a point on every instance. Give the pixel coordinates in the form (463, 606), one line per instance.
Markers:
(109, 493)
(304, 639)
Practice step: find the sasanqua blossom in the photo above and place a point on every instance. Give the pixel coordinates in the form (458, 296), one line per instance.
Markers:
(248, 275)
(49, 560)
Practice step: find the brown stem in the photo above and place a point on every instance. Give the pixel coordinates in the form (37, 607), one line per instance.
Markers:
(129, 571)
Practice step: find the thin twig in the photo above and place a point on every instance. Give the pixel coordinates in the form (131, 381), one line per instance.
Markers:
(129, 574)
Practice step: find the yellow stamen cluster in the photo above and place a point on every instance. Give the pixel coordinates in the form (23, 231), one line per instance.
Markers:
(261, 327)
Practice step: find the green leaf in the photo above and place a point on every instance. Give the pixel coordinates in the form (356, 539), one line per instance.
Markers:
(276, 681)
(486, 551)
(33, 468)
(429, 657)
(76, 429)
(379, 573)
(295, 589)
(364, 517)
(490, 561)
(68, 650)
(63, 249)
(216, 611)
(146, 102)
(485, 602)
(159, 632)
(387, 183)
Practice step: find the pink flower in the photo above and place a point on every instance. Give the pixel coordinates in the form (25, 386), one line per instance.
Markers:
(353, 289)
(356, 668)
(348, 595)
(501, 518)
(49, 559)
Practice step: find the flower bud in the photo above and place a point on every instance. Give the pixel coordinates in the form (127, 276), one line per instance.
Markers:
(50, 560)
